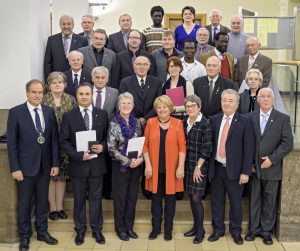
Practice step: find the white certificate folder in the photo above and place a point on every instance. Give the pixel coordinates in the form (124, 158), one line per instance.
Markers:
(136, 144)
(82, 141)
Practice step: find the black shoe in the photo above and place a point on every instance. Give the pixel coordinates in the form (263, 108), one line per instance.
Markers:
(62, 214)
(98, 237)
(53, 215)
(123, 236)
(198, 239)
(107, 196)
(24, 244)
(168, 236)
(153, 235)
(238, 239)
(250, 237)
(79, 239)
(47, 238)
(214, 236)
(190, 233)
(132, 234)
(267, 240)
(147, 194)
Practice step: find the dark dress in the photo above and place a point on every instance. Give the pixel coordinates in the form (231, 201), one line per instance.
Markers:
(199, 145)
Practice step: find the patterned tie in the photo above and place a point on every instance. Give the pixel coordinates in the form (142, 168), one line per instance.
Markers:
(250, 62)
(66, 45)
(98, 99)
(142, 83)
(125, 39)
(86, 119)
(211, 89)
(222, 149)
(263, 122)
(88, 38)
(75, 83)
(133, 57)
(215, 33)
(38, 124)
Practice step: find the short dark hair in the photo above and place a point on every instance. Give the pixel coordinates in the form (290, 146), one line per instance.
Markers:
(189, 40)
(101, 31)
(33, 81)
(84, 84)
(176, 61)
(221, 33)
(190, 8)
(156, 8)
(132, 31)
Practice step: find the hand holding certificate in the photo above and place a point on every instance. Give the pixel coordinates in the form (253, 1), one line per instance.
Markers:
(82, 143)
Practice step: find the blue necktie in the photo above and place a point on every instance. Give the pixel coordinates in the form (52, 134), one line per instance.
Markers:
(75, 83)
(86, 119)
(263, 122)
(38, 124)
(215, 33)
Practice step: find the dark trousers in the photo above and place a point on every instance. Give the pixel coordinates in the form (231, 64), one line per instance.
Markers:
(80, 186)
(107, 178)
(219, 186)
(263, 205)
(38, 187)
(125, 189)
(156, 207)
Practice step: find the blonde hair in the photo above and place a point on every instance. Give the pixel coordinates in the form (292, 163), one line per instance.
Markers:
(164, 99)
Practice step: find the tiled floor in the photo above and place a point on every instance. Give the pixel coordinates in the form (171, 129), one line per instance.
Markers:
(179, 243)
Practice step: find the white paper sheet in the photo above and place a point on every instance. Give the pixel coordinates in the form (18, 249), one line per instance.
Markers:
(136, 144)
(82, 141)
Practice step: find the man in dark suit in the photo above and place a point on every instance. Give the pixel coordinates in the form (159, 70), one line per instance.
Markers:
(86, 170)
(202, 36)
(126, 58)
(230, 165)
(87, 24)
(215, 27)
(254, 60)
(117, 42)
(97, 55)
(76, 75)
(105, 98)
(59, 46)
(33, 151)
(274, 140)
(210, 87)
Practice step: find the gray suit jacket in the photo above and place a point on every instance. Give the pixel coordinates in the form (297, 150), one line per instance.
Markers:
(222, 28)
(111, 101)
(90, 62)
(262, 63)
(275, 142)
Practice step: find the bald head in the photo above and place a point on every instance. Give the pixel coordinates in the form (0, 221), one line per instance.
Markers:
(213, 66)
(265, 98)
(236, 23)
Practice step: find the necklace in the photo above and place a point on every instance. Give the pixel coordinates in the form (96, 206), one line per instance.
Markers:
(164, 122)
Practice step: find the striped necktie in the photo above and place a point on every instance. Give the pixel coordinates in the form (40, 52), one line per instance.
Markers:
(86, 119)
(66, 45)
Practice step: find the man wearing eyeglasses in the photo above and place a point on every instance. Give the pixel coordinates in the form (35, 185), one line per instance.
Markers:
(126, 58)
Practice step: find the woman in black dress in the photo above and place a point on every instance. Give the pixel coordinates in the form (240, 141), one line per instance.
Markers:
(199, 146)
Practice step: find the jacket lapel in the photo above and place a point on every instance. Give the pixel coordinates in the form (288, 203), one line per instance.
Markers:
(235, 119)
(92, 55)
(60, 44)
(28, 118)
(79, 118)
(107, 99)
(270, 122)
(138, 87)
(257, 62)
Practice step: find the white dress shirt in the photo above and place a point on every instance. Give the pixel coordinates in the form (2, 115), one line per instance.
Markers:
(139, 79)
(191, 71)
(90, 113)
(214, 80)
(40, 112)
(78, 75)
(198, 119)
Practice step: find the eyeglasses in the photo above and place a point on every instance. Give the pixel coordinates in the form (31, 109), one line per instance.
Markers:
(193, 106)
(141, 65)
(131, 37)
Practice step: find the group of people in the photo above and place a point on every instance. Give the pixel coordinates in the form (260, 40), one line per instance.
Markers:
(118, 87)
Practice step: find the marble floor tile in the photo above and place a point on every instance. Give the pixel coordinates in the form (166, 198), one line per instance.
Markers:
(291, 246)
(138, 244)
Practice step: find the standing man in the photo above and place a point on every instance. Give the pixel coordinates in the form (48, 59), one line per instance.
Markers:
(215, 27)
(237, 39)
(59, 46)
(227, 60)
(33, 151)
(97, 55)
(87, 24)
(86, 171)
(105, 98)
(76, 75)
(274, 140)
(230, 165)
(160, 56)
(254, 60)
(192, 69)
(202, 37)
(210, 87)
(118, 41)
(153, 34)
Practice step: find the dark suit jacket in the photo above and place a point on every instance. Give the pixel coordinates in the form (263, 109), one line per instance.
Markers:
(262, 63)
(240, 146)
(116, 42)
(143, 100)
(222, 28)
(245, 103)
(55, 58)
(125, 68)
(201, 89)
(84, 77)
(275, 142)
(111, 102)
(24, 152)
(73, 122)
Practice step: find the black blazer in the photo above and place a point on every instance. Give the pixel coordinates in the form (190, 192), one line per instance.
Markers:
(55, 58)
(276, 142)
(222, 28)
(201, 89)
(240, 146)
(24, 152)
(124, 67)
(84, 77)
(245, 103)
(73, 122)
(143, 100)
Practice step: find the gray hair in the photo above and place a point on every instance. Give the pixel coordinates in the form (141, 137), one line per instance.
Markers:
(125, 95)
(215, 10)
(266, 88)
(100, 69)
(259, 74)
(216, 58)
(66, 16)
(73, 53)
(231, 91)
(238, 16)
(56, 75)
(194, 99)
(88, 15)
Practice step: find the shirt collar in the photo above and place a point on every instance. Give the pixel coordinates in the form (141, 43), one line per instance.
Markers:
(218, 27)
(31, 107)
(231, 116)
(255, 56)
(219, 54)
(139, 79)
(198, 119)
(102, 90)
(214, 79)
(78, 73)
(69, 36)
(81, 108)
(268, 113)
